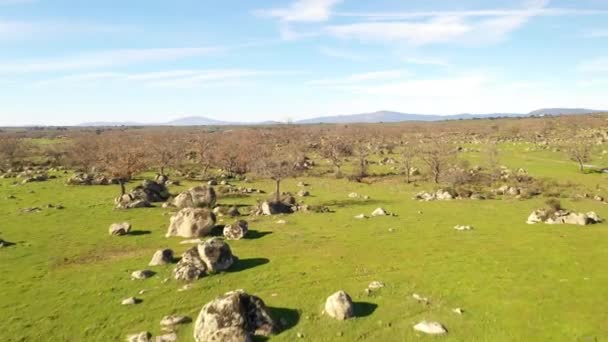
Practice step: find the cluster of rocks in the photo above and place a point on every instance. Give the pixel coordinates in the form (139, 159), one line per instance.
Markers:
(231, 190)
(82, 178)
(304, 163)
(210, 256)
(168, 325)
(563, 217)
(448, 195)
(143, 195)
(30, 176)
(508, 174)
(230, 211)
(355, 195)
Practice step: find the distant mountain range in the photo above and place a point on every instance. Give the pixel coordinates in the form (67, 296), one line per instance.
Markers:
(375, 117)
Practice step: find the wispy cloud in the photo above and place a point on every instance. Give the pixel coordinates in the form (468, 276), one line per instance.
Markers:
(383, 75)
(103, 59)
(549, 12)
(302, 11)
(426, 61)
(342, 54)
(440, 27)
(182, 78)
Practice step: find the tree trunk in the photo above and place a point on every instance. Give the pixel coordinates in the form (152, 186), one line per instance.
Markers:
(123, 191)
(162, 171)
(581, 166)
(278, 191)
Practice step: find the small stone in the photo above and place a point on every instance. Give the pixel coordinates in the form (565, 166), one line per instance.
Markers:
(169, 337)
(141, 275)
(339, 334)
(431, 328)
(300, 335)
(391, 230)
(458, 311)
(379, 212)
(130, 301)
(375, 285)
(361, 216)
(185, 288)
(120, 229)
(420, 299)
(463, 228)
(143, 336)
(281, 222)
(172, 320)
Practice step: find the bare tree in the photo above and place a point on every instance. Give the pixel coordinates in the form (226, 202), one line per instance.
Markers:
(437, 155)
(206, 152)
(10, 149)
(409, 151)
(579, 150)
(335, 149)
(277, 164)
(167, 150)
(122, 156)
(493, 161)
(84, 152)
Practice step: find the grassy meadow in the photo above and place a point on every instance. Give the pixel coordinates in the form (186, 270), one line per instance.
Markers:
(65, 277)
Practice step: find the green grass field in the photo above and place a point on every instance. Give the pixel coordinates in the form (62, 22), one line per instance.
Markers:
(65, 277)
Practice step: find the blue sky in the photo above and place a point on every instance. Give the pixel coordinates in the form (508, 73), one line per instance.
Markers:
(66, 62)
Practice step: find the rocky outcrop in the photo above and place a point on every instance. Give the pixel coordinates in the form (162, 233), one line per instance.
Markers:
(563, 217)
(197, 197)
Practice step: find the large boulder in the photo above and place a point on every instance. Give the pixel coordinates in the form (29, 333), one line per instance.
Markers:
(191, 223)
(190, 267)
(120, 228)
(197, 197)
(131, 201)
(237, 230)
(339, 306)
(274, 208)
(234, 317)
(216, 254)
(161, 257)
(152, 191)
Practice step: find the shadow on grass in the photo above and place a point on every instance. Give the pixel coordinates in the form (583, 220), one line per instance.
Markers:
(139, 232)
(284, 318)
(256, 234)
(245, 264)
(4, 243)
(364, 309)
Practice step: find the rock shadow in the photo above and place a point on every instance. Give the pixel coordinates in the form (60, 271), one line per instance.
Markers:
(245, 264)
(364, 309)
(256, 234)
(139, 232)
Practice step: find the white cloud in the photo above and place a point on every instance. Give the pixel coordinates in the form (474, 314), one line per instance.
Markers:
(342, 54)
(431, 88)
(102, 59)
(426, 61)
(184, 78)
(383, 75)
(416, 33)
(441, 27)
(595, 65)
(303, 11)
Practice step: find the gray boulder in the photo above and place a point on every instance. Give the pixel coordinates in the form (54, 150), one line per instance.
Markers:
(216, 254)
(237, 230)
(197, 197)
(161, 257)
(190, 267)
(119, 229)
(191, 223)
(339, 306)
(235, 316)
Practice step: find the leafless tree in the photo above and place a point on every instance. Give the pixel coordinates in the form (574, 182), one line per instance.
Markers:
(437, 155)
(409, 151)
(121, 157)
(335, 149)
